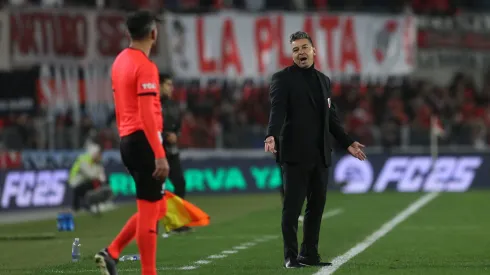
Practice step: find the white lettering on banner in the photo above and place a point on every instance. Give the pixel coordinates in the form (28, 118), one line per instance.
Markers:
(410, 174)
(68, 36)
(34, 188)
(244, 45)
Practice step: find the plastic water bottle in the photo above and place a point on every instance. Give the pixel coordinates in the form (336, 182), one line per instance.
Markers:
(75, 251)
(135, 257)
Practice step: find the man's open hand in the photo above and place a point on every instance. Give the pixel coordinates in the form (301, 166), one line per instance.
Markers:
(270, 145)
(355, 149)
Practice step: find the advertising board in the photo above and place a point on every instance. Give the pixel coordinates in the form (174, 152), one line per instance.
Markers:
(46, 185)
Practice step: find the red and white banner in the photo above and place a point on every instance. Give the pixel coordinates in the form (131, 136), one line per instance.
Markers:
(62, 87)
(70, 36)
(244, 45)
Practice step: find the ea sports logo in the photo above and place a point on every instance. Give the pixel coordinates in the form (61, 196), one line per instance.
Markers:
(357, 174)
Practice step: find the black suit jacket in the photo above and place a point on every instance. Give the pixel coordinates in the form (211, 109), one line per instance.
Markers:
(172, 118)
(295, 123)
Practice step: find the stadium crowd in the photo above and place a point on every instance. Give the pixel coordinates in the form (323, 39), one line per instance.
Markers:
(234, 114)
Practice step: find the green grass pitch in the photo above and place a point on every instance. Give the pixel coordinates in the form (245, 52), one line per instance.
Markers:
(449, 235)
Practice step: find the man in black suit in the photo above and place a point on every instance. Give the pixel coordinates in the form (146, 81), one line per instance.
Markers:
(302, 116)
(172, 118)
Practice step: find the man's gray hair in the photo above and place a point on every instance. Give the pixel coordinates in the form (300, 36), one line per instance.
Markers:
(300, 35)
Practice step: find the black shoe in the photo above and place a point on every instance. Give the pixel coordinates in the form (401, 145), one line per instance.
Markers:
(106, 263)
(312, 261)
(292, 263)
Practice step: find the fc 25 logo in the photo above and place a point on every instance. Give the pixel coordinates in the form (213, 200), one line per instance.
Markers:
(408, 174)
(23, 189)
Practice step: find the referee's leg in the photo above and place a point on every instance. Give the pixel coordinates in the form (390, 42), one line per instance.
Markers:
(138, 157)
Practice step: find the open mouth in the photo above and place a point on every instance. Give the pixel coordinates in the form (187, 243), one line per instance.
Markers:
(303, 58)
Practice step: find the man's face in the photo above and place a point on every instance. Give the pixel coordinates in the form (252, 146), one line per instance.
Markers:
(167, 88)
(303, 53)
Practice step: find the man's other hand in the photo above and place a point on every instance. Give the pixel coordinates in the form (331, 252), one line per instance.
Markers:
(355, 149)
(270, 145)
(161, 169)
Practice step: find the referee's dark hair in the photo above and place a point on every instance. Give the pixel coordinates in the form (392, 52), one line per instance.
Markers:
(140, 24)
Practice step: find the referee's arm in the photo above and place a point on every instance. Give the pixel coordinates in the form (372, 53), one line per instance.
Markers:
(147, 80)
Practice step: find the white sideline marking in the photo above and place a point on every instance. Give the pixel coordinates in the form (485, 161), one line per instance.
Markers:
(219, 256)
(266, 238)
(190, 267)
(203, 262)
(229, 252)
(413, 208)
(199, 263)
(234, 250)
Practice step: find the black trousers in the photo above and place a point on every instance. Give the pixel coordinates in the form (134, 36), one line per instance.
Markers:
(281, 188)
(79, 193)
(176, 174)
(138, 157)
(303, 180)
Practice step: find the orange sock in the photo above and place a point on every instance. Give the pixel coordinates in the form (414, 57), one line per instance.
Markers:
(146, 235)
(124, 237)
(128, 232)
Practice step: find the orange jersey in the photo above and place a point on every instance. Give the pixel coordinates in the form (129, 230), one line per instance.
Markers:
(133, 75)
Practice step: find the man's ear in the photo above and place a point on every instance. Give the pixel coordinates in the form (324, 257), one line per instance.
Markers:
(314, 51)
(153, 35)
